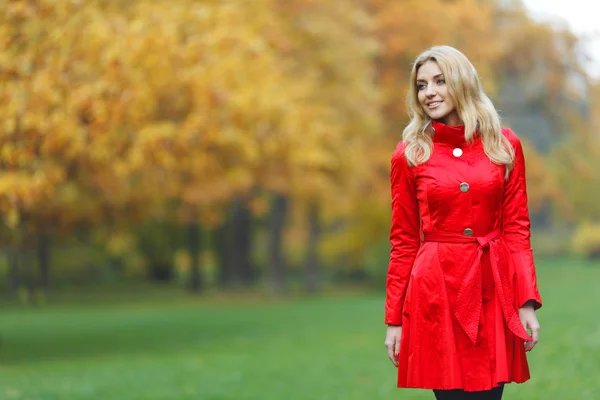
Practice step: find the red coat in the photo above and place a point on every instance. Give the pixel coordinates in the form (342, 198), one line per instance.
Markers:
(460, 266)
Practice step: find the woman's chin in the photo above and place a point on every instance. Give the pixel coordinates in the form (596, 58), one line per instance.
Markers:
(437, 116)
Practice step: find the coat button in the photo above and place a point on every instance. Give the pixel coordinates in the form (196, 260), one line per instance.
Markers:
(457, 152)
(468, 232)
(464, 187)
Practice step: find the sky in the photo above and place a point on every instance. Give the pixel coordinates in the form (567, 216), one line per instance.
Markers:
(582, 18)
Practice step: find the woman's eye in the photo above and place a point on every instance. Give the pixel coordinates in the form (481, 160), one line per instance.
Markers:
(420, 86)
(441, 81)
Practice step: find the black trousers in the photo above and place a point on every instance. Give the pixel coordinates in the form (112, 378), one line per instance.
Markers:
(494, 394)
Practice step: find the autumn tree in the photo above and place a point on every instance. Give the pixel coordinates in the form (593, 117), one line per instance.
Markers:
(153, 128)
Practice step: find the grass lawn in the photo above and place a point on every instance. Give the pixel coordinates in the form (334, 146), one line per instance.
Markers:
(323, 348)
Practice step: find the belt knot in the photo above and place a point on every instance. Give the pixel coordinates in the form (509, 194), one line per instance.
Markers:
(484, 241)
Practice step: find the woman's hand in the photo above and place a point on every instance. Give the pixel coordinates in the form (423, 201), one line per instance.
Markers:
(529, 321)
(392, 342)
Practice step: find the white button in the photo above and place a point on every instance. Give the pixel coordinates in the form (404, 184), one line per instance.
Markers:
(457, 152)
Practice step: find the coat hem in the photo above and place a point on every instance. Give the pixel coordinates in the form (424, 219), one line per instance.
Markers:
(458, 387)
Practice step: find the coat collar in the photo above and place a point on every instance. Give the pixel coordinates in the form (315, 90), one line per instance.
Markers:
(454, 135)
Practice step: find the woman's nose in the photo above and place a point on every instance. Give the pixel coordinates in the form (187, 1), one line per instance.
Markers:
(430, 91)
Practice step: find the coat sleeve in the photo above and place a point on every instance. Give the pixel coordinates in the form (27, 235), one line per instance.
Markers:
(516, 227)
(404, 235)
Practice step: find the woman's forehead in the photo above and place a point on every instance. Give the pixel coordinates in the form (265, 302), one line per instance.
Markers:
(428, 70)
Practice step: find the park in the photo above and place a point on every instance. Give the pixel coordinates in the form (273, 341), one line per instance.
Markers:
(195, 203)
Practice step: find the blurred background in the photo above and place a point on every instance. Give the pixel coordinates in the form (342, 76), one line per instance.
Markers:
(194, 195)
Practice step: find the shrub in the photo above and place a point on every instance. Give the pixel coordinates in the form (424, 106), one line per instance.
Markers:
(586, 240)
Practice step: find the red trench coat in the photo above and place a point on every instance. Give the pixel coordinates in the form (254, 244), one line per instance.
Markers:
(460, 266)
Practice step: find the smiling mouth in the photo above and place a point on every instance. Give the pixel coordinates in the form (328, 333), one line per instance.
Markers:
(434, 104)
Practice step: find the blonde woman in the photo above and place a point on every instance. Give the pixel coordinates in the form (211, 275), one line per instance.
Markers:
(461, 285)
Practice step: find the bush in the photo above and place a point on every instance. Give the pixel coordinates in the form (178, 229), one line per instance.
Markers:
(586, 240)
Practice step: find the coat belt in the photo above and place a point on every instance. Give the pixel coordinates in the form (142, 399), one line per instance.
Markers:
(470, 295)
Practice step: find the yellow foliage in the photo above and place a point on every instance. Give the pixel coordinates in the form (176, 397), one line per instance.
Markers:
(117, 109)
(120, 243)
(182, 261)
(12, 218)
(586, 240)
(541, 185)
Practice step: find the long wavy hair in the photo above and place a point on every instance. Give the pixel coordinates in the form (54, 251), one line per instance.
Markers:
(474, 108)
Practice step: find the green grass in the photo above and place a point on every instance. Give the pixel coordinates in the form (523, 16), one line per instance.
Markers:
(323, 348)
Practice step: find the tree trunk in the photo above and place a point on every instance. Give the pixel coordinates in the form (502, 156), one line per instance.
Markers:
(13, 275)
(28, 274)
(222, 244)
(279, 207)
(43, 253)
(242, 242)
(312, 256)
(193, 235)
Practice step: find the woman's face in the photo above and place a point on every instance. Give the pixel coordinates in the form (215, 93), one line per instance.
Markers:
(433, 95)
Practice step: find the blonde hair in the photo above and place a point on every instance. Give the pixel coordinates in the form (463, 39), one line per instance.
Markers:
(474, 108)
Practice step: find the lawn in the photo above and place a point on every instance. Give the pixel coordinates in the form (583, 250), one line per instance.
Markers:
(330, 347)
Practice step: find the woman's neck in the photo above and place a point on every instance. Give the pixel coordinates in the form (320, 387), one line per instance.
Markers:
(451, 119)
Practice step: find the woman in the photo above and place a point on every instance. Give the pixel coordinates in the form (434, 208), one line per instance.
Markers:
(461, 285)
